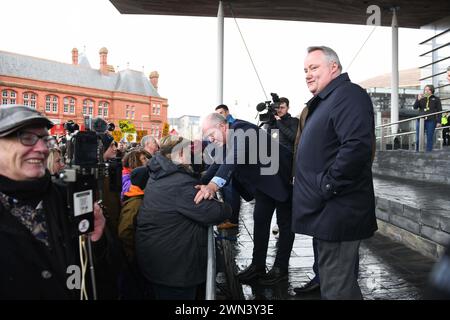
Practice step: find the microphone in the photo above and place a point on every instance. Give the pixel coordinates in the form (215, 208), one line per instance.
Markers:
(261, 106)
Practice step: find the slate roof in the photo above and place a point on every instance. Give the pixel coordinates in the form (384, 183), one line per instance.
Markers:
(22, 66)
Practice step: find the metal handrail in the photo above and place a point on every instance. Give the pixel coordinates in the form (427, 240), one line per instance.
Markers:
(421, 138)
(410, 119)
(409, 132)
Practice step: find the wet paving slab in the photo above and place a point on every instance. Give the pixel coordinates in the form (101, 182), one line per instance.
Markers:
(388, 270)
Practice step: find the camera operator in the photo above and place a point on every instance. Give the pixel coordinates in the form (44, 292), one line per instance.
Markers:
(285, 123)
(37, 246)
(112, 184)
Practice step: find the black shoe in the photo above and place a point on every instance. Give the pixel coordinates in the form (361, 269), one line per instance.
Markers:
(252, 272)
(310, 287)
(274, 276)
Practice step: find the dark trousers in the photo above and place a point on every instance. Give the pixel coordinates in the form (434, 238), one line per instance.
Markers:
(233, 198)
(162, 292)
(337, 262)
(446, 136)
(262, 217)
(316, 278)
(430, 126)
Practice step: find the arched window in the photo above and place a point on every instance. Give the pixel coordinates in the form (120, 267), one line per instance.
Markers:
(69, 105)
(51, 103)
(88, 107)
(9, 97)
(103, 109)
(29, 99)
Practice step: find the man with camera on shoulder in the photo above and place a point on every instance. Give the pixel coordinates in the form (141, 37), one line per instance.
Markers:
(112, 184)
(285, 123)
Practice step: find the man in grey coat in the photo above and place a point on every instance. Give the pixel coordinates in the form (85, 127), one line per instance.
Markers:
(333, 197)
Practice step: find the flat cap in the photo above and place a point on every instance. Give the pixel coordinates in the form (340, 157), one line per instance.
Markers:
(14, 117)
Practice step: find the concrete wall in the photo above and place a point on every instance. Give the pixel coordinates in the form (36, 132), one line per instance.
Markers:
(424, 166)
(426, 231)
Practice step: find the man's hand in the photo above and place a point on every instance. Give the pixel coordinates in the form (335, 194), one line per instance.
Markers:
(277, 117)
(205, 192)
(438, 125)
(99, 223)
(419, 96)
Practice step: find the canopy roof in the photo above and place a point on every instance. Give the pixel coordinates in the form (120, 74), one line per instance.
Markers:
(411, 14)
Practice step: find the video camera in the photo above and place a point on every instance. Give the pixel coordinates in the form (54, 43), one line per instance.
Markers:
(71, 126)
(85, 171)
(271, 107)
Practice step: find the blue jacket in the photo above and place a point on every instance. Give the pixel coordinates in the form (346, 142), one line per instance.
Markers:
(246, 175)
(333, 197)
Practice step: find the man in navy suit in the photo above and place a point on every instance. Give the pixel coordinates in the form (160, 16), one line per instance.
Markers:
(333, 197)
(260, 169)
(230, 194)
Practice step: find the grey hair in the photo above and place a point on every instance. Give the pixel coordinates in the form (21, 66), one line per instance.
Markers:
(147, 139)
(329, 53)
(215, 119)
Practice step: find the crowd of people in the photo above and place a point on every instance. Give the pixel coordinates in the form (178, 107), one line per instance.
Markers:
(156, 203)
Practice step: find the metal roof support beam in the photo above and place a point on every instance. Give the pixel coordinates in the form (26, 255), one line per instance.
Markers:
(220, 41)
(395, 72)
(210, 293)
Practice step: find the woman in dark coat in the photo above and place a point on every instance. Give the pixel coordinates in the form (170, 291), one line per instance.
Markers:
(171, 234)
(39, 251)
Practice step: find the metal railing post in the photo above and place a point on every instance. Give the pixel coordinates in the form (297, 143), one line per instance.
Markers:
(210, 293)
(421, 141)
(382, 144)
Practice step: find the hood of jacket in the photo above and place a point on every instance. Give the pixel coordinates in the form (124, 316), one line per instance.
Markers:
(160, 167)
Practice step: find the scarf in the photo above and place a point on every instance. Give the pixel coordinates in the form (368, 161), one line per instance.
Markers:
(24, 199)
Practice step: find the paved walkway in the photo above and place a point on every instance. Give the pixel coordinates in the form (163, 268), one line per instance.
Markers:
(388, 270)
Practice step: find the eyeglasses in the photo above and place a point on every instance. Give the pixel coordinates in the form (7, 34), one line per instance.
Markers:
(29, 139)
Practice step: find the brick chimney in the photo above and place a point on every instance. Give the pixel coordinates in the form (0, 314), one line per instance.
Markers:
(75, 56)
(103, 60)
(154, 75)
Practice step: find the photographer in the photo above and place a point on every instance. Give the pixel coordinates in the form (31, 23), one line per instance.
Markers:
(37, 246)
(428, 103)
(285, 123)
(112, 184)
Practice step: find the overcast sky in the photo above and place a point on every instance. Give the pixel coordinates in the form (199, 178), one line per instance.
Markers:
(183, 50)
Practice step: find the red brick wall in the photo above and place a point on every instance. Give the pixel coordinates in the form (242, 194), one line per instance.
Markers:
(118, 102)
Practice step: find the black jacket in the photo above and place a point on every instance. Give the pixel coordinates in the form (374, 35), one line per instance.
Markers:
(31, 270)
(287, 127)
(333, 195)
(171, 232)
(434, 105)
(249, 165)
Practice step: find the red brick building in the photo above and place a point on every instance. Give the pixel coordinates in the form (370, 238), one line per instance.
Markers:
(64, 91)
